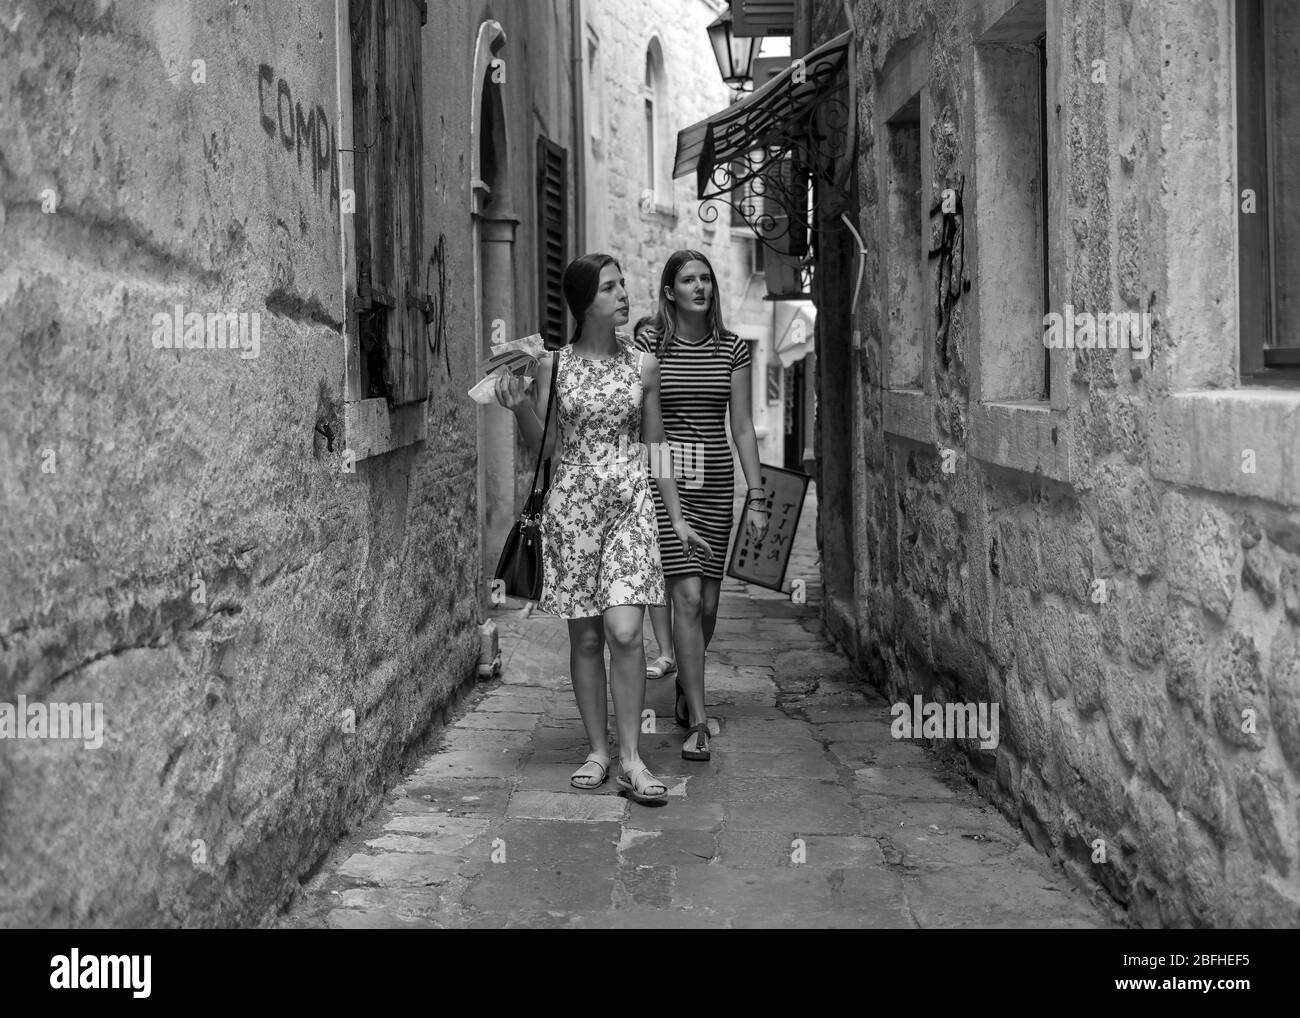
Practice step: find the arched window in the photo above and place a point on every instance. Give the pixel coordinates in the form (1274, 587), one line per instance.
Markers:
(656, 185)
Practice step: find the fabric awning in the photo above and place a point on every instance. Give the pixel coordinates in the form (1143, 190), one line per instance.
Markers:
(792, 330)
(770, 116)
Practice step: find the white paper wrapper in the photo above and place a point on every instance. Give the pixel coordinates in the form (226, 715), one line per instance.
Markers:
(532, 345)
(485, 391)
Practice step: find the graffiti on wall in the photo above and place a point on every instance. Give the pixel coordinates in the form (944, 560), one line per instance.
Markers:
(435, 313)
(951, 253)
(305, 132)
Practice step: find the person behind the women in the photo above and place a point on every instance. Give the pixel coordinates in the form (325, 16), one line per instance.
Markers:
(661, 615)
(704, 371)
(599, 540)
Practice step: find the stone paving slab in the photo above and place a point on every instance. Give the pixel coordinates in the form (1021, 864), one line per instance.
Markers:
(511, 889)
(400, 869)
(454, 832)
(541, 843)
(471, 763)
(577, 807)
(668, 847)
(375, 919)
(455, 796)
(478, 739)
(1008, 894)
(507, 721)
(778, 896)
(810, 815)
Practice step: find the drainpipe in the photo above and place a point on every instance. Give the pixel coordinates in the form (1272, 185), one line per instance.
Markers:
(576, 75)
(847, 171)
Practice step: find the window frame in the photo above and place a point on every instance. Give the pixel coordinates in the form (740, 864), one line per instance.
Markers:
(1262, 360)
(374, 425)
(654, 94)
(906, 413)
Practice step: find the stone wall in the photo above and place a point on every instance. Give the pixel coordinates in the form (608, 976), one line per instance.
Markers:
(1101, 563)
(180, 544)
(640, 236)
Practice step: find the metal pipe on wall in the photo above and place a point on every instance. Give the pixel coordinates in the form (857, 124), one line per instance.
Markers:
(576, 62)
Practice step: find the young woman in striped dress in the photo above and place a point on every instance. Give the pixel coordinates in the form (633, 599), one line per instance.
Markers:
(599, 542)
(704, 370)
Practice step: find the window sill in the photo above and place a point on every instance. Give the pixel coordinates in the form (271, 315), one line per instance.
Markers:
(908, 413)
(1201, 439)
(372, 430)
(664, 214)
(1029, 437)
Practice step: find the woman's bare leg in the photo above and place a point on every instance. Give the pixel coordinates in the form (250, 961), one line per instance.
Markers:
(661, 621)
(624, 634)
(587, 667)
(688, 637)
(710, 591)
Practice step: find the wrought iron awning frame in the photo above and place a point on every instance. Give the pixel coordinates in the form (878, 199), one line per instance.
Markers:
(781, 152)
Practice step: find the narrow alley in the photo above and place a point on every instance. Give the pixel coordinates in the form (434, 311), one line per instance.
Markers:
(809, 815)
(329, 328)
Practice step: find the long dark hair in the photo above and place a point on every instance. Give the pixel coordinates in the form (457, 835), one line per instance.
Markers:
(665, 324)
(580, 282)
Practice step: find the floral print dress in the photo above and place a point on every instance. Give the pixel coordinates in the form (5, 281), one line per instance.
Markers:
(600, 542)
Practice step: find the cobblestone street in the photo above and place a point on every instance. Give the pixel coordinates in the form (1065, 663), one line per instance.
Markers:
(809, 814)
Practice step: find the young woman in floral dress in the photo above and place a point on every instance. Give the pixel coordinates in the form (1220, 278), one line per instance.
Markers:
(600, 543)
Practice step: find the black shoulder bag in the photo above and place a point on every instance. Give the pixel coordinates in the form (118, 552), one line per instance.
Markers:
(520, 565)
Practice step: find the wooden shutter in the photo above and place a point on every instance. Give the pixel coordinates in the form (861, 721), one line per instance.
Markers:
(552, 178)
(388, 142)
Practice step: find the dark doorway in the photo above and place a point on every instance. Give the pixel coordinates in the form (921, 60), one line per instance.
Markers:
(795, 382)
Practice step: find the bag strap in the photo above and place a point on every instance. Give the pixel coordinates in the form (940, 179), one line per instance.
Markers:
(546, 425)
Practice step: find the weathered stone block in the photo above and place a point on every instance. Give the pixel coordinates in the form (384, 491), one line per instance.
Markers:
(1066, 543)
(1008, 770)
(1130, 521)
(1164, 742)
(1040, 811)
(913, 623)
(1018, 564)
(1284, 695)
(1289, 582)
(1201, 861)
(1026, 717)
(1089, 767)
(1261, 571)
(1186, 660)
(1206, 570)
(1043, 649)
(1143, 626)
(1205, 788)
(1268, 815)
(1157, 827)
(1238, 695)
(1010, 614)
(1087, 662)
(1123, 705)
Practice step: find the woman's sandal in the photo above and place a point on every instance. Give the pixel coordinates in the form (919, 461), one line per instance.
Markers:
(584, 777)
(636, 782)
(661, 667)
(701, 750)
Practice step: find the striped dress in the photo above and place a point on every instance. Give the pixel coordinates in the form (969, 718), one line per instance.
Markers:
(694, 393)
